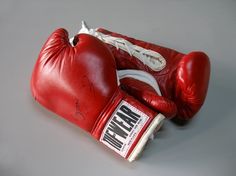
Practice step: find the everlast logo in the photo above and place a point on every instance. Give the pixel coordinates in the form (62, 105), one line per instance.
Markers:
(123, 127)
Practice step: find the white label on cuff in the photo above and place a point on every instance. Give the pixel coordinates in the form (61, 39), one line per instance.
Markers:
(123, 127)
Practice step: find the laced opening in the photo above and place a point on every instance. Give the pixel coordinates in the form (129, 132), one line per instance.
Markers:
(152, 59)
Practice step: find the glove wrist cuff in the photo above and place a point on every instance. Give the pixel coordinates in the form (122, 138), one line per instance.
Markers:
(126, 125)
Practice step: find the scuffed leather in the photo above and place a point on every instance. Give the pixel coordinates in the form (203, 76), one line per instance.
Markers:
(79, 83)
(74, 82)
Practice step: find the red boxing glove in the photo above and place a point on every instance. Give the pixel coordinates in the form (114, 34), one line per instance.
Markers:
(181, 78)
(80, 84)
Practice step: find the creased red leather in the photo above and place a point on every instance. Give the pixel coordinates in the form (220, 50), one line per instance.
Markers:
(146, 94)
(79, 82)
(184, 79)
(74, 82)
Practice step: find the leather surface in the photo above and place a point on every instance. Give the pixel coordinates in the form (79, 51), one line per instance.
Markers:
(80, 84)
(184, 79)
(74, 82)
(146, 94)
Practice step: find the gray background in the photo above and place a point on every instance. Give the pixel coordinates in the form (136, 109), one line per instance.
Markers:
(35, 142)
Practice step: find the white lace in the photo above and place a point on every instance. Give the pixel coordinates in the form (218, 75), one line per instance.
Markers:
(152, 59)
(133, 50)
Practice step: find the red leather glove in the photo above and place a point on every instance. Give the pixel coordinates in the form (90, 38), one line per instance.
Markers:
(80, 84)
(182, 78)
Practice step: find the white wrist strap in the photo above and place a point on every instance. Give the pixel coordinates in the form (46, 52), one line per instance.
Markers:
(151, 58)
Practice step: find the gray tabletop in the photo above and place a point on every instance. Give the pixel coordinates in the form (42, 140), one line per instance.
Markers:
(36, 142)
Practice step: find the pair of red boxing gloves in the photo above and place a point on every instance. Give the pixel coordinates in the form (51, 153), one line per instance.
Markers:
(117, 88)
